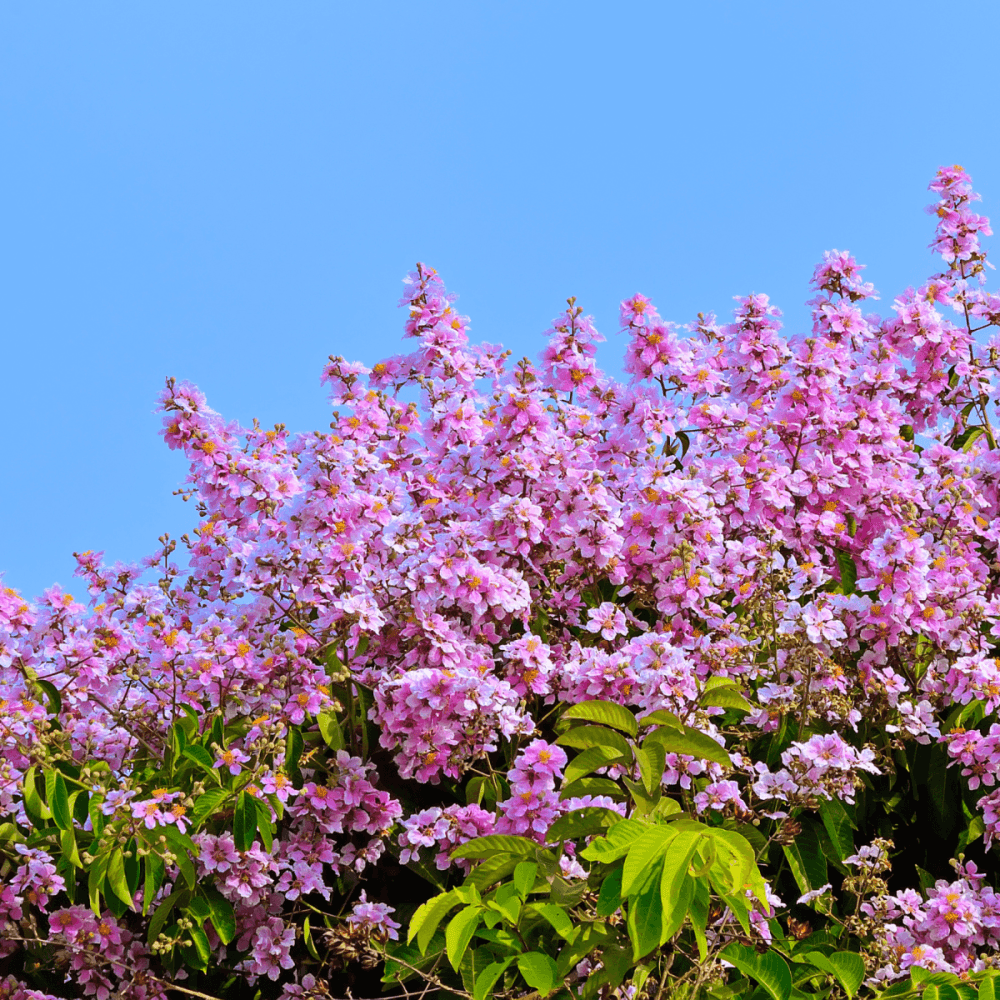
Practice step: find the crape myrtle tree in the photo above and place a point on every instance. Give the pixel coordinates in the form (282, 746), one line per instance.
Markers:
(543, 684)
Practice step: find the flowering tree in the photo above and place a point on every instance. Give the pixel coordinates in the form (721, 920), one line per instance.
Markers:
(685, 686)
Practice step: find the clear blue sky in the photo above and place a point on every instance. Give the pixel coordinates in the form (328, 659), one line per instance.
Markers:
(230, 192)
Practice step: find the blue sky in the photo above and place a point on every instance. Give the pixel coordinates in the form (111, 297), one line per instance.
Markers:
(230, 192)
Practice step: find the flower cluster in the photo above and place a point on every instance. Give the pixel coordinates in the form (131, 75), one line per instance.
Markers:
(786, 543)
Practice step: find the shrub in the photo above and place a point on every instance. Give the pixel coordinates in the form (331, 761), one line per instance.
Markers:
(521, 680)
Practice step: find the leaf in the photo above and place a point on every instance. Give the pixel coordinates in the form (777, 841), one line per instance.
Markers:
(556, 916)
(698, 911)
(67, 843)
(616, 843)
(487, 979)
(524, 878)
(590, 760)
(155, 872)
(848, 571)
(652, 761)
(592, 786)
(493, 870)
(264, 822)
(222, 916)
(661, 717)
(987, 988)
(806, 860)
(244, 822)
(581, 823)
(849, 970)
(116, 877)
(838, 825)
(585, 737)
(674, 918)
(486, 847)
(769, 969)
(207, 803)
(204, 760)
(691, 742)
(161, 913)
(645, 920)
(726, 697)
(36, 808)
(605, 712)
(428, 916)
(675, 868)
(539, 971)
(201, 946)
(307, 940)
(505, 901)
(295, 745)
(330, 730)
(95, 880)
(643, 855)
(53, 695)
(610, 897)
(460, 931)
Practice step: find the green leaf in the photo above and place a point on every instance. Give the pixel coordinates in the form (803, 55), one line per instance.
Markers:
(54, 698)
(487, 979)
(585, 737)
(330, 730)
(161, 913)
(987, 988)
(67, 843)
(661, 717)
(244, 822)
(201, 946)
(590, 760)
(605, 712)
(154, 874)
(610, 897)
(222, 917)
(428, 916)
(208, 803)
(838, 825)
(675, 868)
(505, 901)
(295, 745)
(643, 855)
(557, 917)
(645, 914)
(616, 843)
(204, 760)
(592, 786)
(726, 697)
(95, 880)
(691, 742)
(264, 822)
(116, 877)
(539, 971)
(849, 970)
(680, 903)
(652, 761)
(524, 878)
(769, 969)
(698, 911)
(968, 438)
(459, 933)
(36, 808)
(581, 823)
(806, 860)
(848, 571)
(493, 870)
(486, 847)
